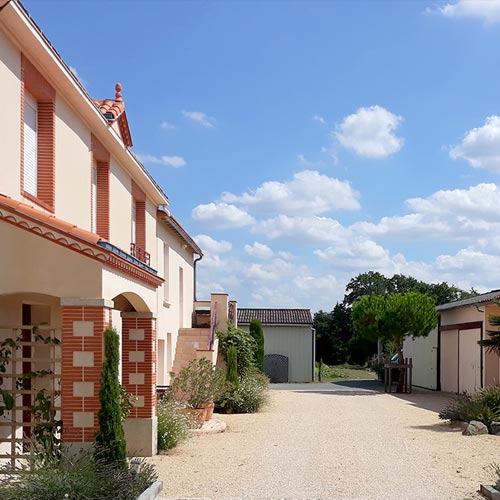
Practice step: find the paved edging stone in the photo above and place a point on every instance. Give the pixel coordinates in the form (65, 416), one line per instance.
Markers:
(152, 492)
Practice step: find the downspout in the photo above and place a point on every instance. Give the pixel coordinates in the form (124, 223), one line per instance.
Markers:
(194, 275)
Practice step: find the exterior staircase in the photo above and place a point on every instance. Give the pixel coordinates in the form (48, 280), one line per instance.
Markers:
(190, 343)
(200, 341)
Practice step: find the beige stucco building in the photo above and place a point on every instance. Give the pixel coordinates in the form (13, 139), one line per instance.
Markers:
(450, 358)
(87, 241)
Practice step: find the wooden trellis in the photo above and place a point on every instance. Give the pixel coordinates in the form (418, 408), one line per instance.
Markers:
(36, 352)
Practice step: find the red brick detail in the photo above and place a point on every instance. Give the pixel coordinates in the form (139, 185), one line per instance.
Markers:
(33, 82)
(70, 374)
(103, 199)
(148, 367)
(140, 224)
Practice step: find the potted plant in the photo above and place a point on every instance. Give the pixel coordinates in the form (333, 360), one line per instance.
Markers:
(197, 386)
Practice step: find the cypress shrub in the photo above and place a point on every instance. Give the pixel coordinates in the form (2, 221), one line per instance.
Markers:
(232, 365)
(258, 335)
(110, 440)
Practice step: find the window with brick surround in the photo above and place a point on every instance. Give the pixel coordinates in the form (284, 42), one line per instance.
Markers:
(37, 137)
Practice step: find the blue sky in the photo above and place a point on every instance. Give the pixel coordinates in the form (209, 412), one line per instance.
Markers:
(304, 142)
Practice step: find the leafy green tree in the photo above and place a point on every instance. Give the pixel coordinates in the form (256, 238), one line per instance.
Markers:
(258, 335)
(394, 317)
(110, 440)
(365, 284)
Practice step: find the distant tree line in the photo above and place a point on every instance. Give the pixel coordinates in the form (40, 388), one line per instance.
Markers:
(338, 342)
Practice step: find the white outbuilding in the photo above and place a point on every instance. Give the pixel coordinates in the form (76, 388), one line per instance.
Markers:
(289, 342)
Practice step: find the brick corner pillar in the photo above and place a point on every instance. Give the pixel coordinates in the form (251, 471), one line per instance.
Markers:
(139, 378)
(83, 323)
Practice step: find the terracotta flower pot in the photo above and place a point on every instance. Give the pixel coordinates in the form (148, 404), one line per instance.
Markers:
(197, 415)
(209, 410)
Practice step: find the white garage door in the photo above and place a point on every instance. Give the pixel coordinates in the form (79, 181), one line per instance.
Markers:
(469, 355)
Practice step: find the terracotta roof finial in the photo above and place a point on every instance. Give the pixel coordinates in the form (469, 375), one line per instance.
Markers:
(118, 95)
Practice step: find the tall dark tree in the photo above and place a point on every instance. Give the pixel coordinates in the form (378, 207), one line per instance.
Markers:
(333, 332)
(258, 335)
(110, 440)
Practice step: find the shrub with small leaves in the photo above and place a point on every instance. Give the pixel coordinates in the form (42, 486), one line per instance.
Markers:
(244, 344)
(173, 424)
(249, 396)
(483, 406)
(86, 477)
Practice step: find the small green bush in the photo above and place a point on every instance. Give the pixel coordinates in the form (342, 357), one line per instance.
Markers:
(85, 478)
(198, 383)
(483, 406)
(173, 424)
(249, 396)
(245, 346)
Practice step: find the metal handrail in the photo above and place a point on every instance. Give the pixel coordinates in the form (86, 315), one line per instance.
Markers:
(213, 325)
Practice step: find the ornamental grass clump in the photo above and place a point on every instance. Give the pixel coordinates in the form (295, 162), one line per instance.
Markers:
(483, 406)
(173, 424)
(86, 477)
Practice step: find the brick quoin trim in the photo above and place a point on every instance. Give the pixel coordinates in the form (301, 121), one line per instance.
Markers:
(34, 83)
(147, 390)
(71, 343)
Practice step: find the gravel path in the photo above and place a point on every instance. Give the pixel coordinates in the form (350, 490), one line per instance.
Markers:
(327, 445)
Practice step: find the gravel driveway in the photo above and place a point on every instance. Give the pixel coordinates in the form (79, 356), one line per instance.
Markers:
(339, 445)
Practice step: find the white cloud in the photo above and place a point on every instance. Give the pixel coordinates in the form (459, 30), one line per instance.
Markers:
(259, 250)
(168, 161)
(200, 118)
(304, 230)
(481, 146)
(209, 244)
(319, 119)
(308, 193)
(486, 10)
(370, 132)
(167, 125)
(446, 214)
(360, 254)
(304, 161)
(221, 216)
